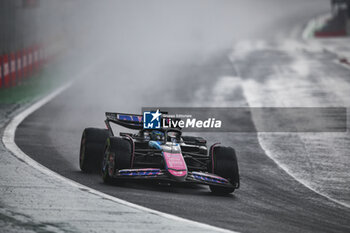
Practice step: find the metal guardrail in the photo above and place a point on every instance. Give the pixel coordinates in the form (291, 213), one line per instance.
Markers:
(31, 32)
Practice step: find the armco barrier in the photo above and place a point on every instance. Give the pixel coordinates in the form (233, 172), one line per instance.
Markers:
(24, 63)
(36, 58)
(1, 75)
(6, 70)
(19, 70)
(325, 34)
(30, 61)
(41, 55)
(16, 66)
(13, 69)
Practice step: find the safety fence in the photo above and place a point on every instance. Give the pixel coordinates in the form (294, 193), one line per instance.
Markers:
(32, 33)
(17, 66)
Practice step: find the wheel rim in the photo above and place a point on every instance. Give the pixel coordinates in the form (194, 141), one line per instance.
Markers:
(111, 164)
(108, 165)
(105, 163)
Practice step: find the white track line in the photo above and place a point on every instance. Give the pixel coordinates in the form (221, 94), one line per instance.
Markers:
(314, 24)
(251, 96)
(268, 153)
(9, 142)
(303, 182)
(305, 35)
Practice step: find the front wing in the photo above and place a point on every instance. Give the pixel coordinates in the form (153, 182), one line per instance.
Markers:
(156, 173)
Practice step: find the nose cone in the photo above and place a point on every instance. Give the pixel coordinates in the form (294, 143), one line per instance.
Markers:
(178, 175)
(175, 165)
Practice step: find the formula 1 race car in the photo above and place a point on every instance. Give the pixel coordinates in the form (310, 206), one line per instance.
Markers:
(163, 154)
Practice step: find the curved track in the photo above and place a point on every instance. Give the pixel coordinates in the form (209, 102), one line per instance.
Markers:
(269, 200)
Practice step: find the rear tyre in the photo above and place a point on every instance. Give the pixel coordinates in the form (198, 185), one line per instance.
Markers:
(117, 156)
(226, 166)
(92, 148)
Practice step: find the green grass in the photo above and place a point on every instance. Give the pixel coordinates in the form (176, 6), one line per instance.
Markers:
(31, 87)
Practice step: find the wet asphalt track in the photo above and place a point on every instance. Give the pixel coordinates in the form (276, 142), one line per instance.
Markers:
(269, 200)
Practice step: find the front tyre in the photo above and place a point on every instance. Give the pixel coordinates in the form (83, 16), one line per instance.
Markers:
(92, 148)
(117, 156)
(226, 166)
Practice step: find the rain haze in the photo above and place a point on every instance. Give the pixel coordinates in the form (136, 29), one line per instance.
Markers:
(79, 59)
(151, 43)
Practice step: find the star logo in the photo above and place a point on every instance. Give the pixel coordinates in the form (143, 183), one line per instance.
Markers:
(156, 115)
(151, 120)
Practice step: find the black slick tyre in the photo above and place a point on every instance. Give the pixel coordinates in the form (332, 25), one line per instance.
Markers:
(226, 166)
(117, 156)
(92, 148)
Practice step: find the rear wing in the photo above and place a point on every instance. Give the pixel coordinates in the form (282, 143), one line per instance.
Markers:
(131, 121)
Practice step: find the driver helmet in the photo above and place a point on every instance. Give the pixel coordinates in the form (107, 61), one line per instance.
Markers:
(157, 135)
